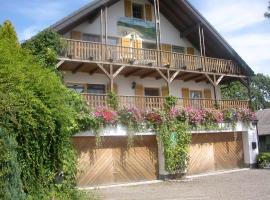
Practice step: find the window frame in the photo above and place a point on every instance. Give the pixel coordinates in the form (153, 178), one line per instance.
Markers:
(142, 10)
(200, 91)
(151, 88)
(102, 85)
(85, 87)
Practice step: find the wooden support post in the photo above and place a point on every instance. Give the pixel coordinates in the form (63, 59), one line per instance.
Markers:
(101, 26)
(111, 77)
(59, 63)
(215, 90)
(158, 33)
(249, 95)
(200, 38)
(103, 69)
(106, 25)
(174, 76)
(118, 71)
(168, 82)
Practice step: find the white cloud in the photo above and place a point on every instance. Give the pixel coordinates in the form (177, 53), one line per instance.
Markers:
(254, 49)
(29, 32)
(39, 11)
(243, 25)
(231, 15)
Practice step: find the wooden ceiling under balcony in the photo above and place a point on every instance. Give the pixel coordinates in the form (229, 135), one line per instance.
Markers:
(92, 68)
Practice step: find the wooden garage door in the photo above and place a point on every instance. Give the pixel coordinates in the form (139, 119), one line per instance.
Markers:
(216, 151)
(113, 162)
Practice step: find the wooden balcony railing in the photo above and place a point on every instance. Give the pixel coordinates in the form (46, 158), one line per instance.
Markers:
(149, 103)
(84, 50)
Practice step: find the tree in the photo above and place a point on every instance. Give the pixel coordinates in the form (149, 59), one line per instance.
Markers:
(45, 46)
(267, 14)
(41, 114)
(234, 90)
(7, 32)
(10, 175)
(259, 89)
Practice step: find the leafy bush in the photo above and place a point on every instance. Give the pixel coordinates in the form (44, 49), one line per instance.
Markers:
(45, 46)
(170, 102)
(263, 159)
(132, 118)
(112, 100)
(42, 115)
(10, 175)
(176, 140)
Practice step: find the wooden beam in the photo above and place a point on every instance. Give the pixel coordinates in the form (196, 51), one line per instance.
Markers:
(201, 78)
(60, 63)
(104, 70)
(192, 77)
(244, 82)
(182, 75)
(132, 72)
(188, 31)
(174, 76)
(157, 67)
(186, 76)
(219, 80)
(162, 75)
(148, 74)
(211, 81)
(79, 66)
(93, 70)
(118, 71)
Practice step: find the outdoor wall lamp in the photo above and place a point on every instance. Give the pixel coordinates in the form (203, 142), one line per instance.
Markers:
(133, 85)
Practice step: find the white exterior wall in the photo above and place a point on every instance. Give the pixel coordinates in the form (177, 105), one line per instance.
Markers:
(169, 34)
(124, 84)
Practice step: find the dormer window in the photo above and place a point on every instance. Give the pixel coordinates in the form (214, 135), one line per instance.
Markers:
(137, 10)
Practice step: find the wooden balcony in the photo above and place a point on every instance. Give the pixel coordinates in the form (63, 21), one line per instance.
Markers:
(149, 103)
(148, 58)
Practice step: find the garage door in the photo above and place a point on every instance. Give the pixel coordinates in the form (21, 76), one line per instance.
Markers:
(215, 151)
(113, 162)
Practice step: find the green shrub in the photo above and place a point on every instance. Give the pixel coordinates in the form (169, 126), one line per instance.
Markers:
(42, 115)
(10, 175)
(170, 102)
(263, 159)
(112, 100)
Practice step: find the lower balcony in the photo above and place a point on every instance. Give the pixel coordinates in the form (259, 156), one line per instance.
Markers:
(149, 103)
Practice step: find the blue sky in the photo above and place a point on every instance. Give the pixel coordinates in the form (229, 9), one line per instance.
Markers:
(240, 22)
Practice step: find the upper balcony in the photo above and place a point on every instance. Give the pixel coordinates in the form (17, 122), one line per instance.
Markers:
(91, 52)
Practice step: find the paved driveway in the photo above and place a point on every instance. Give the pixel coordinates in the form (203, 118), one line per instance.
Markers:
(242, 185)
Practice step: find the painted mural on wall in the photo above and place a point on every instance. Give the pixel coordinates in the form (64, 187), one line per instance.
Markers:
(145, 29)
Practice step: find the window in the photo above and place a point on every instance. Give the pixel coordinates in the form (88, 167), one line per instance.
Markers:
(96, 89)
(91, 38)
(195, 94)
(76, 87)
(151, 92)
(178, 49)
(147, 45)
(112, 41)
(137, 11)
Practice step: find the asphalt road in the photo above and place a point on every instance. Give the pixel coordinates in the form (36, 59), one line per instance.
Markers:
(242, 185)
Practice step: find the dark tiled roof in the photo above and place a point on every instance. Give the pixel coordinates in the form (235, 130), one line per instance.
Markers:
(264, 121)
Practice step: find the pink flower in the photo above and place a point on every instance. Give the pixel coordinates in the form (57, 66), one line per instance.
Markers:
(106, 115)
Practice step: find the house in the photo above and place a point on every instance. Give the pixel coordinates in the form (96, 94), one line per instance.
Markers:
(143, 51)
(263, 127)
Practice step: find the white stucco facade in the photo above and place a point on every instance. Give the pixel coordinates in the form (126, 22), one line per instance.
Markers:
(169, 33)
(124, 84)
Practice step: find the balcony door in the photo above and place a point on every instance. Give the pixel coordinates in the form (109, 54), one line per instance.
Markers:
(196, 98)
(152, 98)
